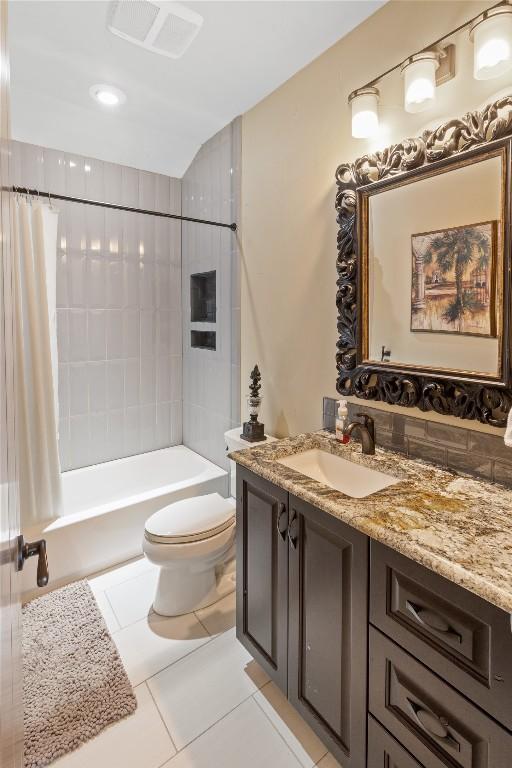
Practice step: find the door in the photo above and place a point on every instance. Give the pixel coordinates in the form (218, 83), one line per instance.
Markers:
(11, 721)
(328, 610)
(262, 572)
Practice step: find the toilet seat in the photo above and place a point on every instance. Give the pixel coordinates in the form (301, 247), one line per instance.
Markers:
(195, 519)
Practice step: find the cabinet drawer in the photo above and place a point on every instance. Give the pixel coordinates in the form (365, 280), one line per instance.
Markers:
(434, 722)
(464, 639)
(384, 751)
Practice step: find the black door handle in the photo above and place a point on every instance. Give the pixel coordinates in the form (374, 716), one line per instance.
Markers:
(282, 521)
(292, 531)
(30, 549)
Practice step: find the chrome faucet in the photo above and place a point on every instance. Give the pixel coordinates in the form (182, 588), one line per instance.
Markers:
(366, 431)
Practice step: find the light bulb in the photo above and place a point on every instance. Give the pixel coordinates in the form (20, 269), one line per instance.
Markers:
(365, 116)
(492, 36)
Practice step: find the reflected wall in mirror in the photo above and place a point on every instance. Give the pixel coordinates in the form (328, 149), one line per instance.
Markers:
(423, 265)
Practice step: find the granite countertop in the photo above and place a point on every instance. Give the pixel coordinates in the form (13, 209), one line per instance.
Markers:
(455, 525)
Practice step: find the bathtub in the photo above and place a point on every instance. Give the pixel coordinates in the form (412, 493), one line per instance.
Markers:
(106, 505)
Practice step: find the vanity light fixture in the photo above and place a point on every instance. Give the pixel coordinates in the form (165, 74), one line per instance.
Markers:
(491, 33)
(419, 73)
(107, 95)
(365, 115)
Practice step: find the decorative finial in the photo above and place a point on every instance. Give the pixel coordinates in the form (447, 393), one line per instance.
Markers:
(255, 386)
(253, 431)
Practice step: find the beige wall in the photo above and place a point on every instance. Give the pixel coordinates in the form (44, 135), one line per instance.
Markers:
(292, 143)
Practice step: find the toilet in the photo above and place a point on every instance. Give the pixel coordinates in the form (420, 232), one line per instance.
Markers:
(190, 541)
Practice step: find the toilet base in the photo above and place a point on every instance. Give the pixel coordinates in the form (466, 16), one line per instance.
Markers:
(184, 590)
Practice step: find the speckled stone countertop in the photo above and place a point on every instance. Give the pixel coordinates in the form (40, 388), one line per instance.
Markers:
(455, 525)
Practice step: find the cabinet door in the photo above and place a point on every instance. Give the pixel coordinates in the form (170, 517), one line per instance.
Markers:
(262, 572)
(328, 584)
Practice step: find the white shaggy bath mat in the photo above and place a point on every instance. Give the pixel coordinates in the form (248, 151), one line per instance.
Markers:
(74, 681)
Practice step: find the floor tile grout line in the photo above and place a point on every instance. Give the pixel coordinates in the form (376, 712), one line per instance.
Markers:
(176, 661)
(163, 721)
(107, 598)
(203, 625)
(99, 574)
(276, 729)
(230, 712)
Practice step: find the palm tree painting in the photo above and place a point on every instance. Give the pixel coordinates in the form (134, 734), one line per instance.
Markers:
(453, 280)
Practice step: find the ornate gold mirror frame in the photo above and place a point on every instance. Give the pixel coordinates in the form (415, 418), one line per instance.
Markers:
(468, 396)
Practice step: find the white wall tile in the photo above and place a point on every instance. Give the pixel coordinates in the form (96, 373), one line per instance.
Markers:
(115, 384)
(114, 334)
(97, 377)
(97, 334)
(78, 348)
(78, 389)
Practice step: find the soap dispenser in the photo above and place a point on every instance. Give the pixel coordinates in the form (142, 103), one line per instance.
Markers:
(342, 422)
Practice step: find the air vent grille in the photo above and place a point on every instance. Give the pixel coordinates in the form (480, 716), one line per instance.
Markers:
(167, 28)
(175, 36)
(134, 18)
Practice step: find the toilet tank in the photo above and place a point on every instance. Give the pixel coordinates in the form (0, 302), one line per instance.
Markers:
(235, 443)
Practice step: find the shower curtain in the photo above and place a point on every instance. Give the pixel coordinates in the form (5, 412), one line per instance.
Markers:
(34, 236)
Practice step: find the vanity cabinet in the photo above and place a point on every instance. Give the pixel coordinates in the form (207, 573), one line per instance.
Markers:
(392, 665)
(302, 585)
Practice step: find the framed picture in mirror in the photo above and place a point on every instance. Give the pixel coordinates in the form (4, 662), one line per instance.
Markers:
(424, 270)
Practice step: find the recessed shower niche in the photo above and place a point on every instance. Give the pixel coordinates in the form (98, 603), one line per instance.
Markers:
(203, 297)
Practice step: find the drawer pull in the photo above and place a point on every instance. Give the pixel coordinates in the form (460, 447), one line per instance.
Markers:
(433, 621)
(282, 521)
(435, 726)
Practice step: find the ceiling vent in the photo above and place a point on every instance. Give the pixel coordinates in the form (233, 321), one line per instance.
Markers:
(166, 28)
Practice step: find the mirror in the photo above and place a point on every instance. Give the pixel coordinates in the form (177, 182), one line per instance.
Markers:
(423, 270)
(432, 251)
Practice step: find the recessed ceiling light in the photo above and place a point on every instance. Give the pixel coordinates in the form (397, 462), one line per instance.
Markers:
(107, 95)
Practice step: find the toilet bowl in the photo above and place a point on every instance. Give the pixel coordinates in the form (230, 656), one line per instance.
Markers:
(188, 541)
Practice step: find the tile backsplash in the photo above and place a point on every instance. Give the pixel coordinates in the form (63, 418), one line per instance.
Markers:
(463, 450)
(118, 305)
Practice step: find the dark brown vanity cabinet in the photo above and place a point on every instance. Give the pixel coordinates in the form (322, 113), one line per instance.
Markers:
(392, 665)
(302, 580)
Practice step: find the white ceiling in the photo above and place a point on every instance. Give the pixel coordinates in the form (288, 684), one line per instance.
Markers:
(243, 52)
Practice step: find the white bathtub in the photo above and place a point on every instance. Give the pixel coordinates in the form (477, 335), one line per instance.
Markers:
(105, 507)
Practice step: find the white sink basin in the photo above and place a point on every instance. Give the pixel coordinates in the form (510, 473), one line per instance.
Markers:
(351, 479)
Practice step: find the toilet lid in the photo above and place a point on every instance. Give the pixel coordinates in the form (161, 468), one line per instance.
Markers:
(194, 519)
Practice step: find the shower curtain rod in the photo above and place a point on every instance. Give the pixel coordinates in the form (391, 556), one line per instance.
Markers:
(113, 206)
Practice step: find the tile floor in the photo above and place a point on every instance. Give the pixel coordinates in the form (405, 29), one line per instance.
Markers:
(203, 702)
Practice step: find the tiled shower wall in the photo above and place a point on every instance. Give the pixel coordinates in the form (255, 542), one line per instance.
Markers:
(118, 306)
(211, 378)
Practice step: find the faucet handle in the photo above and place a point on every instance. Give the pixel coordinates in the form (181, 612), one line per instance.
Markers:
(368, 423)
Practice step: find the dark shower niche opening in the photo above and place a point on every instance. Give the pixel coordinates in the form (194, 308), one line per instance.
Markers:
(203, 339)
(203, 297)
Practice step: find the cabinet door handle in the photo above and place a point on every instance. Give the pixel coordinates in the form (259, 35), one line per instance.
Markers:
(436, 727)
(433, 621)
(292, 531)
(282, 521)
